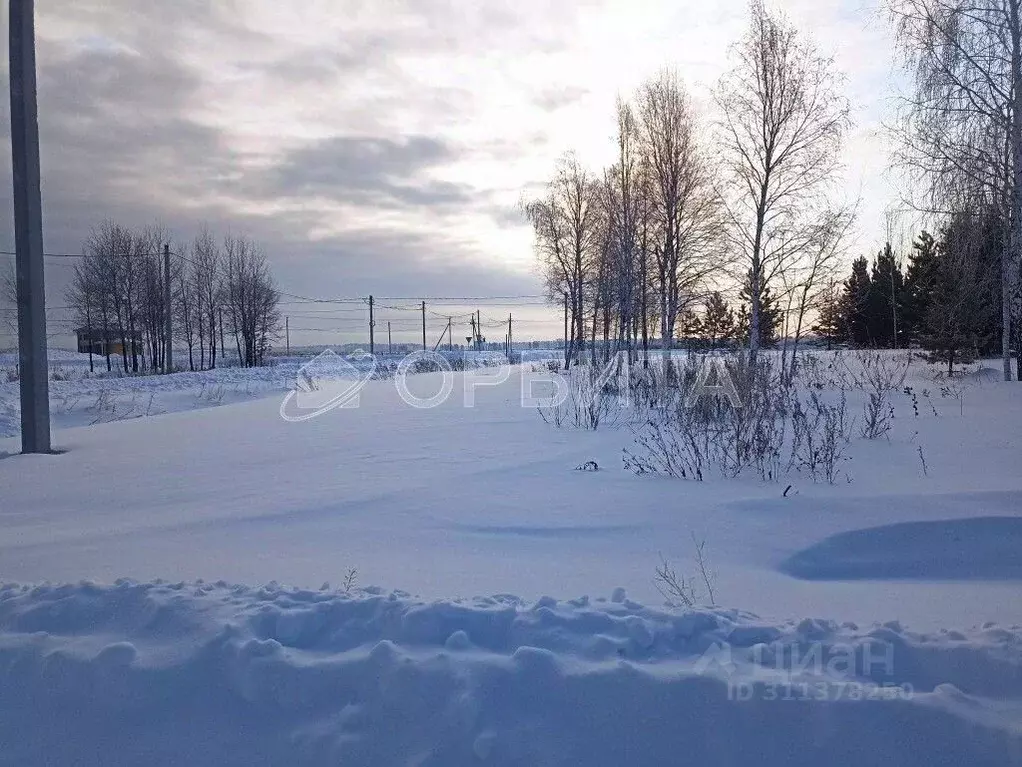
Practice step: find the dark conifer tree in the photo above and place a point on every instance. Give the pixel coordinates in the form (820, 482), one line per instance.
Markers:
(829, 322)
(886, 300)
(718, 320)
(770, 315)
(919, 280)
(855, 304)
(959, 305)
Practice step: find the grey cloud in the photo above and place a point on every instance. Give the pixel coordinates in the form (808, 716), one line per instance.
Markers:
(121, 138)
(398, 263)
(372, 171)
(150, 26)
(556, 98)
(324, 65)
(508, 217)
(116, 139)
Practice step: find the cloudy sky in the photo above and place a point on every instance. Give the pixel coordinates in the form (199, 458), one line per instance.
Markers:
(380, 146)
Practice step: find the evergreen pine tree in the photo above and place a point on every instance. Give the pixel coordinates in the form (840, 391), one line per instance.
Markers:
(689, 325)
(770, 315)
(886, 299)
(855, 304)
(829, 325)
(957, 317)
(987, 236)
(718, 320)
(919, 281)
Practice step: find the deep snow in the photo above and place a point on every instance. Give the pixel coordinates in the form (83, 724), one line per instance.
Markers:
(455, 502)
(458, 501)
(214, 674)
(83, 397)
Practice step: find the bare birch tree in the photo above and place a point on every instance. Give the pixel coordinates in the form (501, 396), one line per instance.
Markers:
(684, 211)
(79, 297)
(566, 223)
(205, 282)
(807, 280)
(186, 315)
(109, 251)
(622, 201)
(151, 307)
(9, 298)
(251, 299)
(782, 127)
(645, 236)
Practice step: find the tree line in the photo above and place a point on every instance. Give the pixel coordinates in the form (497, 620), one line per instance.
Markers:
(223, 298)
(960, 131)
(946, 299)
(643, 251)
(694, 216)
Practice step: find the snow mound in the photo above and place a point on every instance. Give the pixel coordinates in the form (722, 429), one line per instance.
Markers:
(219, 674)
(982, 548)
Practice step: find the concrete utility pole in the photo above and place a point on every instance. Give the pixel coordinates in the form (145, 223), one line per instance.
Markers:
(424, 326)
(390, 340)
(168, 364)
(450, 342)
(28, 232)
(372, 324)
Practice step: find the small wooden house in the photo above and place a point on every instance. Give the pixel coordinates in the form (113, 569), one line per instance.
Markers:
(95, 341)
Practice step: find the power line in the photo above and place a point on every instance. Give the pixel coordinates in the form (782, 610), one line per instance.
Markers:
(303, 300)
(540, 300)
(83, 255)
(308, 299)
(454, 298)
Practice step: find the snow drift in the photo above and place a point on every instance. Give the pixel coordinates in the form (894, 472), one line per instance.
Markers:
(981, 548)
(218, 674)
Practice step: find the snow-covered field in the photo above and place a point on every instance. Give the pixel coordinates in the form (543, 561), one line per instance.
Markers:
(914, 558)
(83, 397)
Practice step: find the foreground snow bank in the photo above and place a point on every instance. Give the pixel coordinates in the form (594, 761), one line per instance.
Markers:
(204, 674)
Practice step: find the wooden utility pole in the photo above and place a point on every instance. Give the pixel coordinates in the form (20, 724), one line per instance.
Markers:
(223, 349)
(479, 331)
(168, 308)
(509, 346)
(287, 334)
(475, 335)
(28, 232)
(450, 341)
(390, 340)
(88, 328)
(566, 330)
(372, 324)
(424, 326)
